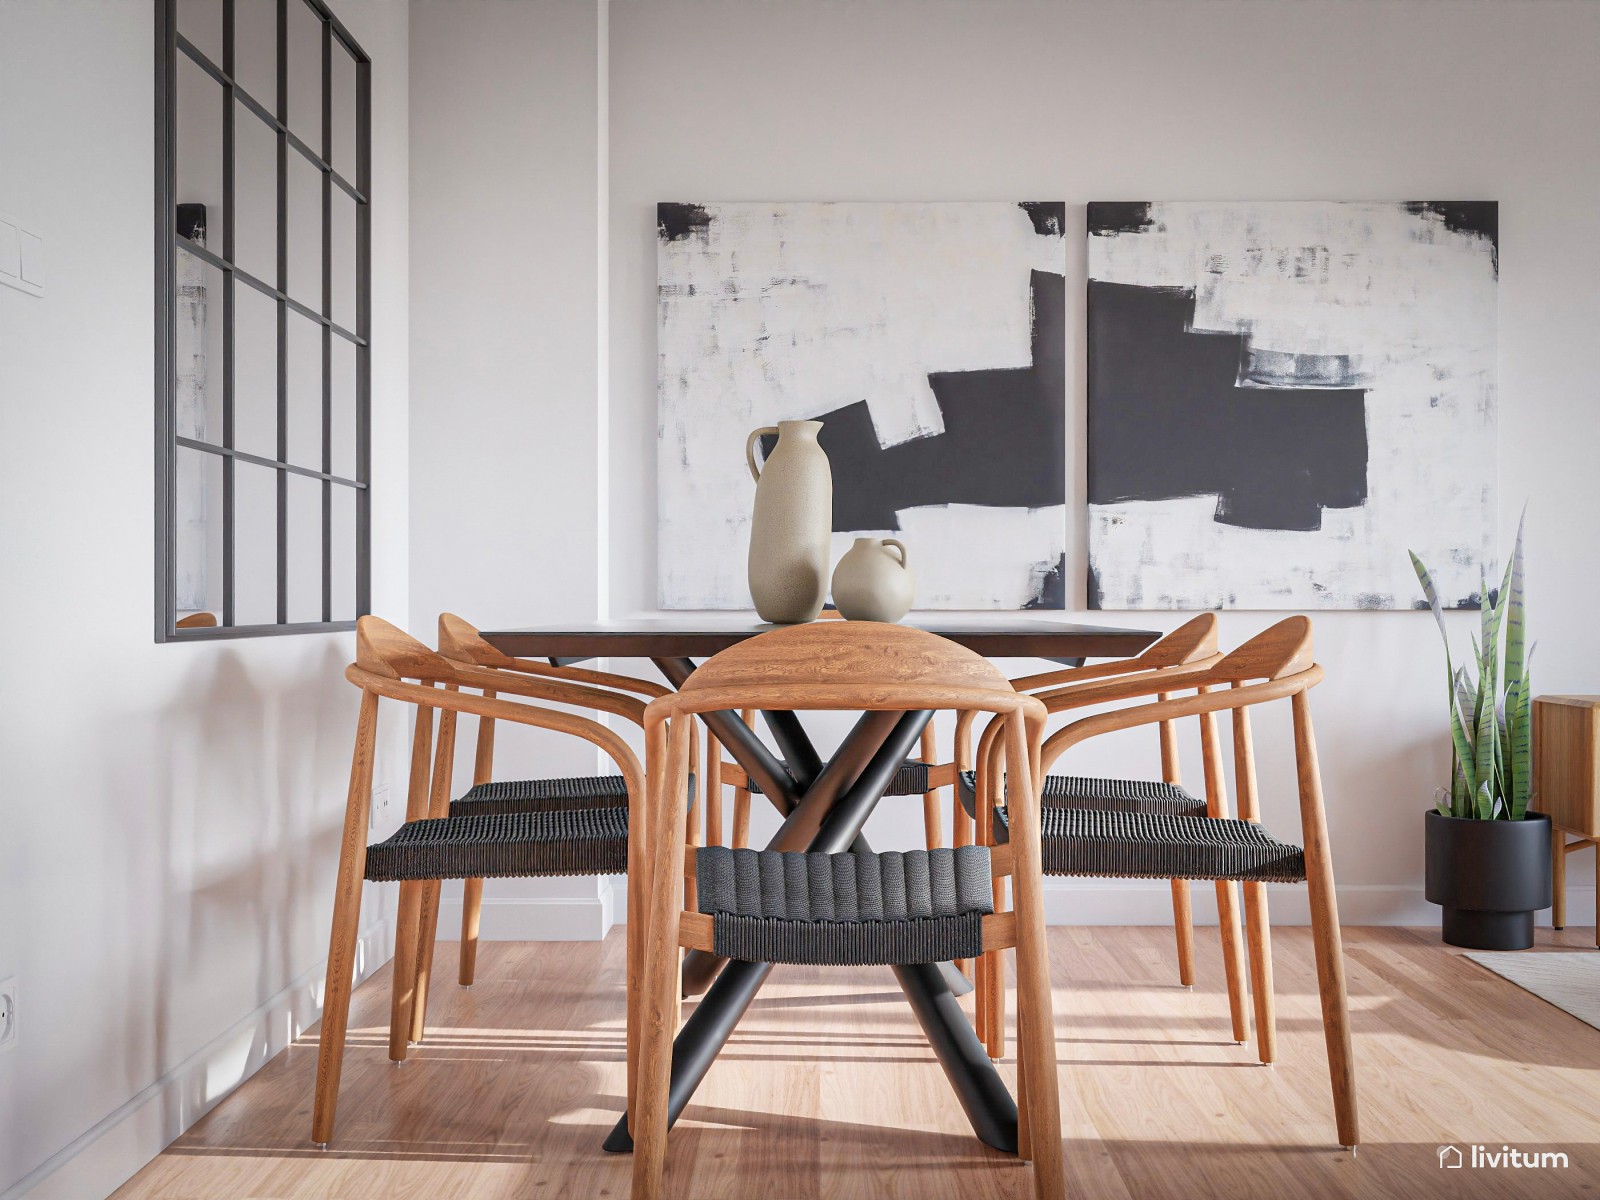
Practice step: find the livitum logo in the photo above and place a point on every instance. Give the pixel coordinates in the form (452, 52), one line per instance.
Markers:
(1453, 1158)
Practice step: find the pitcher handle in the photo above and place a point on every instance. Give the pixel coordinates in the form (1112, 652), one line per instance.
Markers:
(750, 449)
(898, 545)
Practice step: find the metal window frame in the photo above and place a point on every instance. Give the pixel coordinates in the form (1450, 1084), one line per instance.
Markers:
(170, 47)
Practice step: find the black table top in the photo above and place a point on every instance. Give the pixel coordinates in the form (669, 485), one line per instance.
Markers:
(698, 635)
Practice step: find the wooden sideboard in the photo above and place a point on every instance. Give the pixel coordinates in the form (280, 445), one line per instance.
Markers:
(1566, 785)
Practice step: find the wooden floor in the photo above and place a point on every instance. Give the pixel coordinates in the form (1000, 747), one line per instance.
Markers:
(828, 1090)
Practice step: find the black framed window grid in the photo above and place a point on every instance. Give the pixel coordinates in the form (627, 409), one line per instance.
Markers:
(203, 476)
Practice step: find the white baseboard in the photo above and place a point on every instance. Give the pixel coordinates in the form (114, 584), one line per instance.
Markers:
(1147, 902)
(533, 918)
(106, 1156)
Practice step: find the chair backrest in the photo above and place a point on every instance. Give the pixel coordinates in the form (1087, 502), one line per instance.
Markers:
(461, 642)
(1194, 640)
(1276, 652)
(849, 665)
(388, 650)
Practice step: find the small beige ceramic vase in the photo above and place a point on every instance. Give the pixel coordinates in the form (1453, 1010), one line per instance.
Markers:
(791, 525)
(873, 581)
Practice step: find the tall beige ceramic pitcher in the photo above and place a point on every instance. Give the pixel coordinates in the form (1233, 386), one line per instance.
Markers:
(791, 524)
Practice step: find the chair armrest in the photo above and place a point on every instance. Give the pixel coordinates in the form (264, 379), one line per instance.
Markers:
(1238, 696)
(622, 683)
(505, 710)
(555, 690)
(1032, 683)
(1129, 686)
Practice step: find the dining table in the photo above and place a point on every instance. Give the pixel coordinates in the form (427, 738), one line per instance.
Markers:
(824, 805)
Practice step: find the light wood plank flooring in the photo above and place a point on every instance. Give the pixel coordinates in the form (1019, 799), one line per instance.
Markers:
(828, 1090)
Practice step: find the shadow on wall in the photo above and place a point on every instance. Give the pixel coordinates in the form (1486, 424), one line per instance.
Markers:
(236, 836)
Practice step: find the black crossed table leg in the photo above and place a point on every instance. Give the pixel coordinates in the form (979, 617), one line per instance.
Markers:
(825, 806)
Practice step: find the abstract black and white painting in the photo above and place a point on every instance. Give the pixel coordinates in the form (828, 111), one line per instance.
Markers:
(1285, 398)
(929, 339)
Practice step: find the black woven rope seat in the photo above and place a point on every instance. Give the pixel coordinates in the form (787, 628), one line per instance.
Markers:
(910, 780)
(546, 795)
(541, 795)
(1156, 846)
(845, 909)
(580, 841)
(1113, 795)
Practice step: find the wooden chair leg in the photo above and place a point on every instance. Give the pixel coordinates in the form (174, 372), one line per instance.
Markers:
(961, 834)
(403, 985)
(1325, 932)
(980, 1000)
(741, 798)
(991, 981)
(472, 889)
(713, 791)
(444, 761)
(1233, 958)
(471, 915)
(996, 1042)
(1039, 1133)
(346, 930)
(1597, 893)
(661, 994)
(980, 972)
(691, 841)
(1183, 928)
(1259, 933)
(1182, 908)
(1024, 1113)
(655, 1070)
(428, 932)
(1558, 879)
(931, 824)
(408, 927)
(638, 908)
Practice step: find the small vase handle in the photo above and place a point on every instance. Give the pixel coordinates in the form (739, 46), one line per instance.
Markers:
(898, 545)
(750, 449)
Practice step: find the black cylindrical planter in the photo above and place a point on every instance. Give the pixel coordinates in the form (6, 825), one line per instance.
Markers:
(1490, 877)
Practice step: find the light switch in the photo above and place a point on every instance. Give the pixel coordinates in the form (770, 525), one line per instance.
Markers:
(32, 258)
(10, 251)
(21, 257)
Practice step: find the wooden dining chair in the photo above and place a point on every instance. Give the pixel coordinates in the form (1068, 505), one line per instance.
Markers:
(436, 843)
(1275, 665)
(462, 644)
(1190, 648)
(848, 908)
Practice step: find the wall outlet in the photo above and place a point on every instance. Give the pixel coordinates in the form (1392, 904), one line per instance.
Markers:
(8, 1013)
(380, 804)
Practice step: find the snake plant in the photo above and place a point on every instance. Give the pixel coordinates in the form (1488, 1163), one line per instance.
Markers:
(1491, 702)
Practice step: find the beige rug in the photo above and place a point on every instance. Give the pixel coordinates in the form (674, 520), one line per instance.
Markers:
(1569, 981)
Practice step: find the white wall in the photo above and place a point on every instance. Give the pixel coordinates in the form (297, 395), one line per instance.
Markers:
(506, 163)
(164, 806)
(715, 100)
(170, 812)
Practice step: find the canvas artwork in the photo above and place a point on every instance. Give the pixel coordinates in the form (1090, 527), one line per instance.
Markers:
(1285, 398)
(929, 339)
